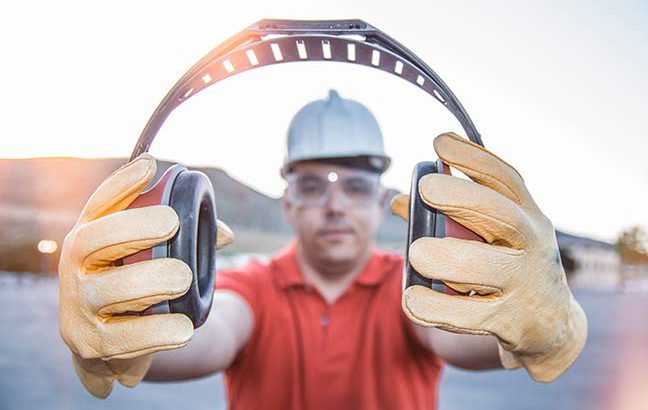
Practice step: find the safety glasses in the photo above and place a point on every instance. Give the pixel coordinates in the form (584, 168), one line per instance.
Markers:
(355, 188)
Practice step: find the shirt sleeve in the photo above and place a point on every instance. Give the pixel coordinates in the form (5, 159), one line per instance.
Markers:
(245, 283)
(414, 343)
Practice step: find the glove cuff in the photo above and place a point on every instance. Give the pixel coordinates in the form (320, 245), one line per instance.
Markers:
(94, 376)
(508, 359)
(131, 371)
(98, 375)
(547, 366)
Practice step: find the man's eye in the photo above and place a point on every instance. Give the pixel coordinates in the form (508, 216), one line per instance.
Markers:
(310, 186)
(358, 186)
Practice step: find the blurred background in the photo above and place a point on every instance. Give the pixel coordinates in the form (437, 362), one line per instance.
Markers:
(557, 89)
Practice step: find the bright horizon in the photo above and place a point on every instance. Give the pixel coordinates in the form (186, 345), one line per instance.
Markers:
(556, 89)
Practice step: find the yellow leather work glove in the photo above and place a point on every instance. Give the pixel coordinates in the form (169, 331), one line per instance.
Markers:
(522, 296)
(108, 344)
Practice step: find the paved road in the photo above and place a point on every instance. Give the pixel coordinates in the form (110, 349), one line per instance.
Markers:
(612, 372)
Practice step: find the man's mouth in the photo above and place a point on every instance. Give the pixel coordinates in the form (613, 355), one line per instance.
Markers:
(335, 233)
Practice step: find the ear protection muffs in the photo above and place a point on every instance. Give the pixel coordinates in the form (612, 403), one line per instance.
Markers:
(270, 42)
(191, 195)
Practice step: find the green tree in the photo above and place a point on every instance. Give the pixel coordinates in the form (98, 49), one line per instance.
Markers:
(633, 246)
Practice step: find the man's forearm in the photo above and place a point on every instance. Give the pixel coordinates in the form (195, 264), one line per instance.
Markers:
(213, 346)
(472, 352)
(199, 358)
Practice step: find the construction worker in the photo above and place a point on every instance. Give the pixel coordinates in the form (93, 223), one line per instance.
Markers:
(325, 323)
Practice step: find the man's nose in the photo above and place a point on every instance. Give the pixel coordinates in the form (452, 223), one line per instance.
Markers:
(335, 201)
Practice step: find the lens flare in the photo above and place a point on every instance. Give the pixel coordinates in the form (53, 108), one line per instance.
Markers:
(47, 246)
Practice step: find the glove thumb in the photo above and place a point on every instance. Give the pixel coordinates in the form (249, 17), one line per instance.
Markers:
(400, 206)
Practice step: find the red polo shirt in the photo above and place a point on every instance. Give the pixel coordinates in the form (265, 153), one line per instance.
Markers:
(359, 353)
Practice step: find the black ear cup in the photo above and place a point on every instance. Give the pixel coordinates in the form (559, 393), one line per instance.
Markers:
(424, 221)
(427, 221)
(192, 197)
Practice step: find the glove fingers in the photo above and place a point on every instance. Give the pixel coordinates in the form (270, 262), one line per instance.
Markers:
(460, 261)
(483, 167)
(400, 206)
(135, 336)
(120, 189)
(130, 372)
(480, 209)
(458, 314)
(137, 286)
(101, 242)
(95, 375)
(224, 235)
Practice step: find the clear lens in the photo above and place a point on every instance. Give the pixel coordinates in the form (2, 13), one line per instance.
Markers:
(310, 188)
(355, 188)
(358, 189)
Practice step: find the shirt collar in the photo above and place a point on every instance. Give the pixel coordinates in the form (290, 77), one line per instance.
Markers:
(286, 269)
(375, 270)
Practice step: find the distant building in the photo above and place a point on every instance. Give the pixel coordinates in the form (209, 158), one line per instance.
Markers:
(595, 263)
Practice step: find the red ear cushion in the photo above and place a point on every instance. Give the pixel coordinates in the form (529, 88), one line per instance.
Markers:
(455, 230)
(153, 196)
(425, 221)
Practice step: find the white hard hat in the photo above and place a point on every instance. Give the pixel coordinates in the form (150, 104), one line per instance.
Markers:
(333, 129)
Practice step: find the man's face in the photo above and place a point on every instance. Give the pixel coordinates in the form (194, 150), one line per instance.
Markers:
(335, 212)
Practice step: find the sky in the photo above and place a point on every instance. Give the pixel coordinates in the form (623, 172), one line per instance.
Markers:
(556, 88)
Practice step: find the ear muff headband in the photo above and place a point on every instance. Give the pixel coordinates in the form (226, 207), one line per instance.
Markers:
(270, 42)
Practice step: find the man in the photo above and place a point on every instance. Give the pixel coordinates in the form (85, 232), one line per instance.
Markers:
(321, 324)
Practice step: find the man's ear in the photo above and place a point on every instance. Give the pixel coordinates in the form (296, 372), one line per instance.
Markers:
(383, 203)
(287, 207)
(384, 199)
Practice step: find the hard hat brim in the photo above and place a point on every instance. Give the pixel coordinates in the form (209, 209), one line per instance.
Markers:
(373, 163)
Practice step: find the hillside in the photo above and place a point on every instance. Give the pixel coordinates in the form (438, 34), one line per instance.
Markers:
(42, 197)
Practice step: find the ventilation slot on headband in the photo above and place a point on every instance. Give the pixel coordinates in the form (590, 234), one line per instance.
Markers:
(438, 96)
(188, 93)
(420, 80)
(206, 78)
(398, 68)
(252, 58)
(351, 55)
(228, 66)
(375, 58)
(326, 49)
(301, 49)
(276, 52)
